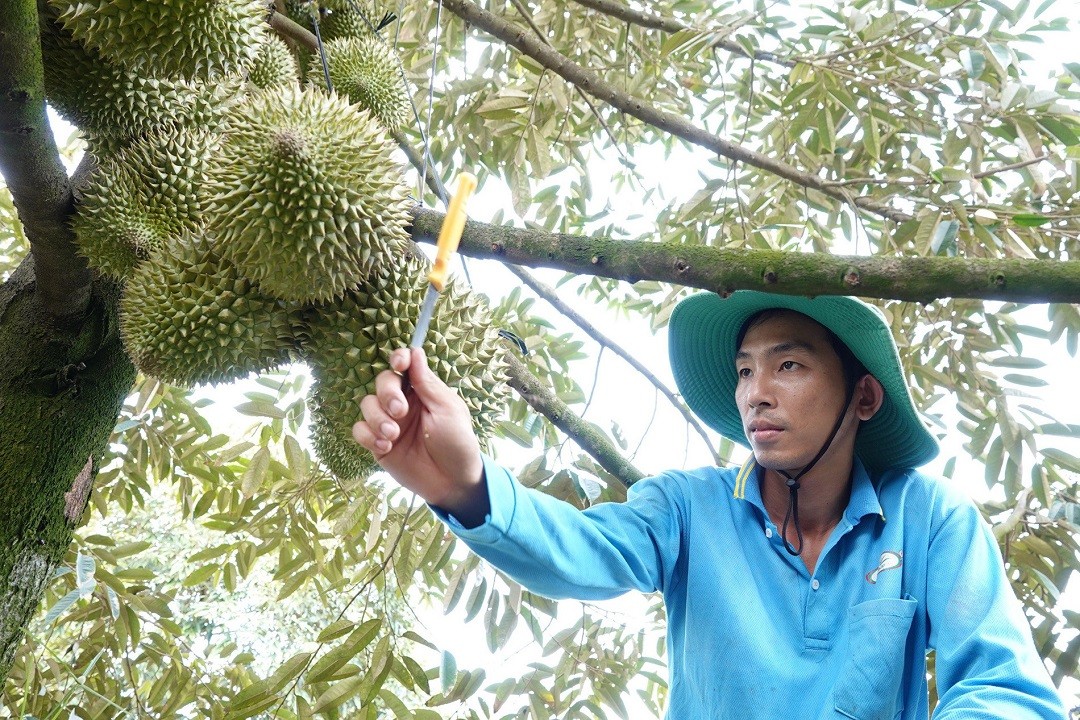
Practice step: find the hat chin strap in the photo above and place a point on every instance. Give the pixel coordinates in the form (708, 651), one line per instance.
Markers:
(792, 514)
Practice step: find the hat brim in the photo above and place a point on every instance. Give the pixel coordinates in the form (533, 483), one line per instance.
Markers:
(701, 342)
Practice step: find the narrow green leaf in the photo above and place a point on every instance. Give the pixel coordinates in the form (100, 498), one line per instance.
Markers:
(1030, 220)
(447, 671)
(335, 658)
(255, 473)
(261, 409)
(338, 693)
(61, 606)
(336, 630)
(1025, 380)
(199, 575)
(288, 671)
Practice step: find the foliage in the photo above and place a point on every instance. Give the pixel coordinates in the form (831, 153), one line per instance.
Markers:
(223, 573)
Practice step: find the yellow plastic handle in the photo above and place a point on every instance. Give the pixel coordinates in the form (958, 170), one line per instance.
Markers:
(450, 234)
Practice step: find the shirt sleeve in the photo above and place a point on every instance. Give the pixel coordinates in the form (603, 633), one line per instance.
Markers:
(986, 662)
(554, 549)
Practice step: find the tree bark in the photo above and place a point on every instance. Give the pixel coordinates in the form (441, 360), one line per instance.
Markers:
(723, 270)
(58, 404)
(30, 163)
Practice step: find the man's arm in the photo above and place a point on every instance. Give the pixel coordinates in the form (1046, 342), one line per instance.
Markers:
(423, 437)
(987, 665)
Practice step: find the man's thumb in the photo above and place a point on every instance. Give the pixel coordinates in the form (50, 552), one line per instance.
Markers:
(424, 381)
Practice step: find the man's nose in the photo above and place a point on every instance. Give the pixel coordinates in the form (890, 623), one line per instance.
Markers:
(759, 391)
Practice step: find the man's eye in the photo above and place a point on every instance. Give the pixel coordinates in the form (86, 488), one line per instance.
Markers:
(788, 365)
(743, 372)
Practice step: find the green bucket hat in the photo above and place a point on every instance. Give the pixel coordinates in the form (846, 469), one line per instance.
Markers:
(701, 342)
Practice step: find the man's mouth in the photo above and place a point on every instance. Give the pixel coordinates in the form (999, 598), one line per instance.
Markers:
(764, 430)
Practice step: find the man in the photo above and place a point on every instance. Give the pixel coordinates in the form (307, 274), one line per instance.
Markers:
(810, 582)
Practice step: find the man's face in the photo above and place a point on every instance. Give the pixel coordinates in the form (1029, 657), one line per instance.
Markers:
(790, 390)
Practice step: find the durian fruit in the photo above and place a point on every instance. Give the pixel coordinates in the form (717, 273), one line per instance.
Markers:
(113, 105)
(365, 70)
(348, 18)
(135, 201)
(306, 198)
(114, 231)
(188, 317)
(192, 39)
(273, 66)
(348, 343)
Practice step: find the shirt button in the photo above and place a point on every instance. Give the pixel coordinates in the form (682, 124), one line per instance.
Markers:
(768, 532)
(814, 584)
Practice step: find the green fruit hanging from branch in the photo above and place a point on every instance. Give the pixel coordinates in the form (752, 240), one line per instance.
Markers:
(349, 342)
(188, 317)
(364, 69)
(306, 198)
(201, 39)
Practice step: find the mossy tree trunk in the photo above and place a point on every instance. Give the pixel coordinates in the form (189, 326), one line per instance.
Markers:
(59, 397)
(64, 374)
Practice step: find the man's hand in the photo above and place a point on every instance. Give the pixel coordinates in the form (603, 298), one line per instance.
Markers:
(424, 438)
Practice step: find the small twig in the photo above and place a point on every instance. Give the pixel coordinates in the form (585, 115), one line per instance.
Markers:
(886, 40)
(671, 25)
(677, 125)
(285, 26)
(552, 298)
(590, 438)
(1010, 166)
(1009, 524)
(596, 113)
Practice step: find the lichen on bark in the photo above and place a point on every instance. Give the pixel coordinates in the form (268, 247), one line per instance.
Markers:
(58, 402)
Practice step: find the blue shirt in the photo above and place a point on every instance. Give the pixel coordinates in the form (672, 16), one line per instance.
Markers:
(751, 633)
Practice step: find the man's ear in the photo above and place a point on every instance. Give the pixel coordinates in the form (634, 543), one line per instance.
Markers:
(868, 397)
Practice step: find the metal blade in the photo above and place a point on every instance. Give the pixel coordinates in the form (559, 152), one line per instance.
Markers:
(424, 319)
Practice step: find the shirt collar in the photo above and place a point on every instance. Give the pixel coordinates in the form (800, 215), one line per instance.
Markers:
(863, 501)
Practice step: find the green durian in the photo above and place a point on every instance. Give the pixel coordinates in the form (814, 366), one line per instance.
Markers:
(113, 105)
(192, 39)
(138, 199)
(348, 18)
(188, 317)
(348, 343)
(306, 197)
(274, 65)
(364, 69)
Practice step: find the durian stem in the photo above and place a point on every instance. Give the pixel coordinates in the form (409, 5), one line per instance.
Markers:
(31, 166)
(543, 399)
(287, 28)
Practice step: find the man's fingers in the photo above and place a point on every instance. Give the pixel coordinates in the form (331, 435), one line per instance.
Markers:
(378, 421)
(377, 446)
(388, 391)
(426, 384)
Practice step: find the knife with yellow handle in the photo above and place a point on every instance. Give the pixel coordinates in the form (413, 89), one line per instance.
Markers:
(449, 237)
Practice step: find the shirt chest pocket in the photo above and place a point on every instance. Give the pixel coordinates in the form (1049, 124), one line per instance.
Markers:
(868, 687)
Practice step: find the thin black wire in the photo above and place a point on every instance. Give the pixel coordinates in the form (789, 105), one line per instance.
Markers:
(314, 12)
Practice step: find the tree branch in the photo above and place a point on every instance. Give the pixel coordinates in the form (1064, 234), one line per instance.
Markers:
(289, 29)
(659, 22)
(1009, 524)
(1010, 166)
(30, 164)
(722, 270)
(590, 438)
(523, 11)
(549, 295)
(678, 126)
